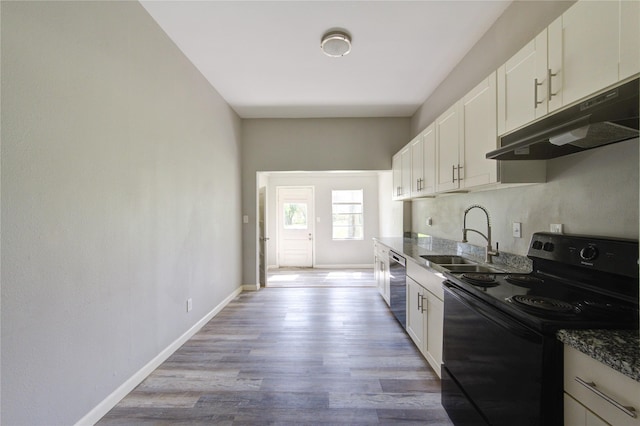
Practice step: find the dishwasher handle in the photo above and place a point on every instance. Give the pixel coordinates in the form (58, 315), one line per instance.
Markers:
(395, 256)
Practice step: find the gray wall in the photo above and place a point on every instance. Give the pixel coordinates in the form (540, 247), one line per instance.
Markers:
(120, 199)
(310, 145)
(594, 192)
(327, 251)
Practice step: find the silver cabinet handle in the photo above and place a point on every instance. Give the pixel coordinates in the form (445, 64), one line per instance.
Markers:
(535, 93)
(453, 173)
(629, 411)
(419, 302)
(550, 93)
(424, 307)
(459, 167)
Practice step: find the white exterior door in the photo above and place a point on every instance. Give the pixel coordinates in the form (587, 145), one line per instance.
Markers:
(295, 226)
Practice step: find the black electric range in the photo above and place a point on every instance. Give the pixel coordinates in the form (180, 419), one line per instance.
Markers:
(577, 282)
(502, 364)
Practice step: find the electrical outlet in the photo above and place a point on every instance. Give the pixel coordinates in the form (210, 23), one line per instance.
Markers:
(556, 228)
(189, 304)
(517, 230)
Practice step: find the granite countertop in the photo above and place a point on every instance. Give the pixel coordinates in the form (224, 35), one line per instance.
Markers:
(618, 349)
(413, 248)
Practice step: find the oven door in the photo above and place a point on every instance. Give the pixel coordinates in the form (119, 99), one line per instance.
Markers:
(495, 368)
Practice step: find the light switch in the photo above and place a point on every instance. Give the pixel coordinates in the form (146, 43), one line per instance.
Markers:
(517, 230)
(245, 218)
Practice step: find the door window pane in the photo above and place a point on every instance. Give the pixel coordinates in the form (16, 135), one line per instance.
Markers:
(295, 215)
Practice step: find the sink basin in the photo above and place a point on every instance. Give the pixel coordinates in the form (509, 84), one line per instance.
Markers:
(448, 260)
(470, 268)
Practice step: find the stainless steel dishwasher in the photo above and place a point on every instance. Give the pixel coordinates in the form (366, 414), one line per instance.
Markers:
(398, 287)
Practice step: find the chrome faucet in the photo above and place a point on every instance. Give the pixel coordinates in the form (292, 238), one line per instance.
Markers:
(489, 252)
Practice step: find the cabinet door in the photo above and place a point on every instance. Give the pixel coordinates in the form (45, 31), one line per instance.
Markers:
(447, 149)
(434, 322)
(384, 275)
(522, 86)
(576, 414)
(405, 158)
(401, 165)
(480, 134)
(415, 316)
(588, 47)
(429, 160)
(417, 166)
(396, 166)
(629, 38)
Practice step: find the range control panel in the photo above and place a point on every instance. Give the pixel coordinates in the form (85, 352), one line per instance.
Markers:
(618, 256)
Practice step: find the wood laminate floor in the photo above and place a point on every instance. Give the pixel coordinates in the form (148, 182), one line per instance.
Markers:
(292, 356)
(310, 277)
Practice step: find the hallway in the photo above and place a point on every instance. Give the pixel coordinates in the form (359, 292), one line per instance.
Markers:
(320, 355)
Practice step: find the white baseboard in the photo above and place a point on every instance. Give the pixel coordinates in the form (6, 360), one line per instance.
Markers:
(93, 416)
(340, 266)
(351, 266)
(251, 287)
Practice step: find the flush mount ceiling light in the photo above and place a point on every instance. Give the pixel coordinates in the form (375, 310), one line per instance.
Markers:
(336, 44)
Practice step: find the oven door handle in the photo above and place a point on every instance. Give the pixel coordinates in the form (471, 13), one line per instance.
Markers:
(493, 315)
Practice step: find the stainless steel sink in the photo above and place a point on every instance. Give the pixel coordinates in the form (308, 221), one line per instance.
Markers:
(470, 268)
(448, 260)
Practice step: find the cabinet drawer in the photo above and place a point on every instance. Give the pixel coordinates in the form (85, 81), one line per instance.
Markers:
(426, 279)
(615, 385)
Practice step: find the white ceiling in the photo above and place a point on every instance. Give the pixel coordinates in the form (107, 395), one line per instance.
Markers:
(264, 57)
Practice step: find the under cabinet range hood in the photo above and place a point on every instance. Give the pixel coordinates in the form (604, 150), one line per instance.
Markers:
(608, 117)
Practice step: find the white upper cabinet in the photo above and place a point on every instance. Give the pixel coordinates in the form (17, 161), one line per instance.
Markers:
(396, 174)
(583, 51)
(448, 134)
(522, 86)
(401, 173)
(429, 160)
(590, 47)
(423, 163)
(417, 165)
(629, 38)
(478, 115)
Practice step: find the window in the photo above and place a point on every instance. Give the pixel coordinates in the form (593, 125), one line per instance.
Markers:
(295, 215)
(347, 214)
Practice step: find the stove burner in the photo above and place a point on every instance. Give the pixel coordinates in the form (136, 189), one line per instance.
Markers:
(482, 280)
(544, 305)
(597, 309)
(523, 280)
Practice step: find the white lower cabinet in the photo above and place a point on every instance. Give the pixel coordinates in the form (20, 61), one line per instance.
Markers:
(576, 414)
(425, 313)
(415, 313)
(596, 394)
(381, 270)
